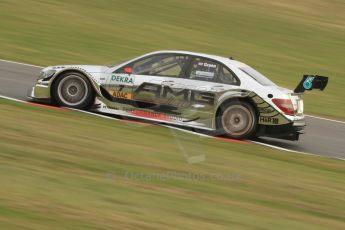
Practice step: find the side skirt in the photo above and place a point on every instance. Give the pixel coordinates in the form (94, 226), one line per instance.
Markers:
(143, 114)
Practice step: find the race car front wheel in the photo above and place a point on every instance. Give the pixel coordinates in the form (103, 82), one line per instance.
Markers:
(73, 90)
(237, 119)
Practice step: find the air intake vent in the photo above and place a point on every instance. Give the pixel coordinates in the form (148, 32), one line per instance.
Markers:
(105, 94)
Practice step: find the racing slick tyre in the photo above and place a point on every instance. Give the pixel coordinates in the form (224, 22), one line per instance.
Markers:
(237, 119)
(73, 90)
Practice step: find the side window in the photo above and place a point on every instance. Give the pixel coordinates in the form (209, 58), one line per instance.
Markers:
(227, 77)
(204, 69)
(167, 65)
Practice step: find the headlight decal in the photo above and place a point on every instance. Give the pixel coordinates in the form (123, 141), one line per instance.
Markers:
(46, 75)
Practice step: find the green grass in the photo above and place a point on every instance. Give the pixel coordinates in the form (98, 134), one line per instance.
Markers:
(283, 39)
(67, 170)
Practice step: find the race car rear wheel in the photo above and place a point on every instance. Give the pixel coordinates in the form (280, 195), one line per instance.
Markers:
(73, 90)
(237, 119)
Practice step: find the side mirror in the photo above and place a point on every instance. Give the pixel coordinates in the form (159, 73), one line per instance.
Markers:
(128, 70)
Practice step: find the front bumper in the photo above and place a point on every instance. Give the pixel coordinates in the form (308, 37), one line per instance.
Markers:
(40, 92)
(289, 131)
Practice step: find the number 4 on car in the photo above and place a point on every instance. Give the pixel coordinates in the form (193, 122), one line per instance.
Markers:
(182, 88)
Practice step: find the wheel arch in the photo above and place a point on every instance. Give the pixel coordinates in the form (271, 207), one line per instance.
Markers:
(88, 77)
(247, 99)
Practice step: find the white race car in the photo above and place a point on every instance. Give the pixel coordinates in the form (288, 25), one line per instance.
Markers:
(182, 88)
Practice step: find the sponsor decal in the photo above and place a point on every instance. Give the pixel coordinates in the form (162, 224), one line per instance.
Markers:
(146, 114)
(122, 79)
(269, 120)
(205, 64)
(58, 67)
(204, 74)
(121, 94)
(266, 110)
(153, 115)
(187, 95)
(110, 107)
(308, 82)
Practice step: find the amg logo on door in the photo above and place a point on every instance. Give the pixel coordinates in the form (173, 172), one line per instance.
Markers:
(161, 91)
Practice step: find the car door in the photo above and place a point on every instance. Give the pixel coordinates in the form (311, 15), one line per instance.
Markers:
(207, 79)
(156, 80)
(119, 85)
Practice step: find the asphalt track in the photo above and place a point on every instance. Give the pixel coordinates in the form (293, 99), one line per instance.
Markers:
(322, 137)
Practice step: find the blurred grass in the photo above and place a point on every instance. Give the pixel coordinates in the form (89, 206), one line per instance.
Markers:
(283, 39)
(66, 170)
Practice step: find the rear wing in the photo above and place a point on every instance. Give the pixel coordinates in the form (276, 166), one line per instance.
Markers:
(310, 82)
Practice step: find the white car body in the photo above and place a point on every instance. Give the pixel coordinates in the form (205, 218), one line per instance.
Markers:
(201, 113)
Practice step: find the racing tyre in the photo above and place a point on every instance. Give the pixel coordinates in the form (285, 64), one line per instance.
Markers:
(237, 119)
(73, 90)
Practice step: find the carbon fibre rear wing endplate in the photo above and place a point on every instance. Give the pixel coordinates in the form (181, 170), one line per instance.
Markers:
(310, 82)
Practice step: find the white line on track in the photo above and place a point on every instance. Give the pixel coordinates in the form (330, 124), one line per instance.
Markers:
(280, 148)
(94, 114)
(186, 131)
(339, 158)
(326, 119)
(20, 63)
(182, 130)
(294, 151)
(12, 99)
